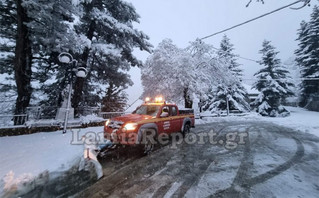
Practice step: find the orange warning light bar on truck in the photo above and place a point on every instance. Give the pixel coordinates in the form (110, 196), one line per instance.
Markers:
(158, 99)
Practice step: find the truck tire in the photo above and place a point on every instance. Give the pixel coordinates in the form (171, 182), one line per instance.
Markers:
(149, 145)
(186, 129)
(148, 148)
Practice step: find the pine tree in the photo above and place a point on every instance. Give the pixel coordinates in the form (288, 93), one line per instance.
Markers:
(51, 33)
(22, 61)
(208, 70)
(308, 60)
(231, 91)
(108, 27)
(8, 31)
(115, 100)
(36, 32)
(7, 50)
(273, 83)
(235, 95)
(225, 53)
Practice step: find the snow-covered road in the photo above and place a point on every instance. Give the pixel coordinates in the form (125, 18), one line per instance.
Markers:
(273, 161)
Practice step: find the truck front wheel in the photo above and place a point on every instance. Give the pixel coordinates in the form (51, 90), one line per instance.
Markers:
(149, 140)
(186, 129)
(148, 147)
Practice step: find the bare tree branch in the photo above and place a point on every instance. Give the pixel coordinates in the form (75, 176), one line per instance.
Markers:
(306, 2)
(262, 1)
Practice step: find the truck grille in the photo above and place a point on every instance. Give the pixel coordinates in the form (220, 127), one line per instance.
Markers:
(115, 124)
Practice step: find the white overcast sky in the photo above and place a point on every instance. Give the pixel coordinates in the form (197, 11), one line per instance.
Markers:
(185, 20)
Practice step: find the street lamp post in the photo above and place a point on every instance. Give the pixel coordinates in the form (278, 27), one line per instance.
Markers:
(81, 72)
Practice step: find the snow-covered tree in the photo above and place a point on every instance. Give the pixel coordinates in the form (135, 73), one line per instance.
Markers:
(13, 27)
(183, 74)
(273, 83)
(35, 31)
(205, 69)
(51, 32)
(294, 71)
(231, 91)
(234, 95)
(308, 60)
(99, 34)
(7, 35)
(108, 27)
(211, 72)
(167, 72)
(226, 54)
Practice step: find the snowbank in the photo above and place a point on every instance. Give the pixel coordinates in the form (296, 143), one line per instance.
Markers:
(53, 122)
(25, 157)
(300, 119)
(91, 119)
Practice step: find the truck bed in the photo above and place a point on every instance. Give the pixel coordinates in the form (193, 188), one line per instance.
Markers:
(186, 111)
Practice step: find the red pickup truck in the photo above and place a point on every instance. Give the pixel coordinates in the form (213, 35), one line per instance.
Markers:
(158, 117)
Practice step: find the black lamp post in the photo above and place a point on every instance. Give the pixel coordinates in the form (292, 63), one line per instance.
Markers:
(81, 72)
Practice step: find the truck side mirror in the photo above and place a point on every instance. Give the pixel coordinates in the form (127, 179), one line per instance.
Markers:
(164, 114)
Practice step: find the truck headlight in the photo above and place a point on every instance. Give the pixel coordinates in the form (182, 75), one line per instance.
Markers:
(130, 126)
(107, 122)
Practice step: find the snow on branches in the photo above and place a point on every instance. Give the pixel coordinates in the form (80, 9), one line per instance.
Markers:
(181, 75)
(274, 83)
(307, 59)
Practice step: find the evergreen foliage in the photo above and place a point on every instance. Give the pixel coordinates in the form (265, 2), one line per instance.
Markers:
(231, 91)
(98, 34)
(307, 57)
(273, 83)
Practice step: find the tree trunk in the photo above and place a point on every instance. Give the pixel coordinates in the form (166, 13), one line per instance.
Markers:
(188, 101)
(22, 64)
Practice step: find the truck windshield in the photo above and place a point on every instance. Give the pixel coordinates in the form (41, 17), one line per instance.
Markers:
(147, 110)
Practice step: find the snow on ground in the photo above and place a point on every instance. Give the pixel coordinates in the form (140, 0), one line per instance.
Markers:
(211, 181)
(300, 119)
(24, 157)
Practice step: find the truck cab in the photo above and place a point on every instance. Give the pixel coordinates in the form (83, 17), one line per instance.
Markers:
(156, 115)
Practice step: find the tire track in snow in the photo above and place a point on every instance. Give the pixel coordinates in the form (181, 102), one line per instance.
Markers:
(237, 188)
(281, 168)
(242, 184)
(193, 178)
